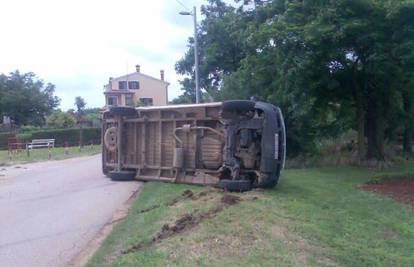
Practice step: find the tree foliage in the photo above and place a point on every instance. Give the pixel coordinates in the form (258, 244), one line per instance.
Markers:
(330, 65)
(80, 104)
(26, 99)
(60, 119)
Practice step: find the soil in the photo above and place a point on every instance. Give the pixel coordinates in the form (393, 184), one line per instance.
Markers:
(186, 221)
(185, 195)
(401, 190)
(230, 199)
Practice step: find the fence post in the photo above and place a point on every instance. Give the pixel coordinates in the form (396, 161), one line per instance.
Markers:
(49, 152)
(66, 148)
(27, 151)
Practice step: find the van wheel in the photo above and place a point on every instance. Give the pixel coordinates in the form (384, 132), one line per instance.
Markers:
(122, 111)
(111, 139)
(238, 106)
(122, 175)
(235, 185)
(268, 180)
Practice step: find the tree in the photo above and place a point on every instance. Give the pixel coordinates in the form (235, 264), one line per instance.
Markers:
(26, 99)
(93, 115)
(80, 104)
(80, 107)
(330, 65)
(60, 119)
(220, 46)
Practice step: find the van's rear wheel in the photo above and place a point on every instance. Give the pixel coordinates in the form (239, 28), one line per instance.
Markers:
(239, 106)
(122, 175)
(235, 185)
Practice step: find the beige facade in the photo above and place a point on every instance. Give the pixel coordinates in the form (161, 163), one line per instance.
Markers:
(136, 88)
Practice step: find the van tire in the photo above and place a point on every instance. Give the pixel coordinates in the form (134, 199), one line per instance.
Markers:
(122, 175)
(122, 111)
(235, 185)
(238, 106)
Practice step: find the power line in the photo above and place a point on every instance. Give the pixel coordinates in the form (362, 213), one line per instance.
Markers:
(181, 4)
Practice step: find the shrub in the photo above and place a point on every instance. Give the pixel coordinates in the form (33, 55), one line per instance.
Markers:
(4, 139)
(69, 135)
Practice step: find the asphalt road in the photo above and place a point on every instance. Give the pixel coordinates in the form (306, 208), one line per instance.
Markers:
(49, 211)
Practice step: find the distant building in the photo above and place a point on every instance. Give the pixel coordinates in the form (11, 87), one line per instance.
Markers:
(7, 120)
(136, 88)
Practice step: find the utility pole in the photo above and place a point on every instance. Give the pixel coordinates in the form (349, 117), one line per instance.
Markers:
(197, 81)
(196, 68)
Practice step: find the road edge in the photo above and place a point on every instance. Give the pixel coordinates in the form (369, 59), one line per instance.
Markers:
(82, 258)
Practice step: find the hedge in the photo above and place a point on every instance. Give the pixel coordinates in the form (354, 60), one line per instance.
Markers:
(4, 139)
(71, 136)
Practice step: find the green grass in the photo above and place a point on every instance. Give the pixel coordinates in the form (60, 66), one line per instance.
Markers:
(42, 154)
(315, 217)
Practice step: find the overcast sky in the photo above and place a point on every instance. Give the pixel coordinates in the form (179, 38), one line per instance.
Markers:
(78, 44)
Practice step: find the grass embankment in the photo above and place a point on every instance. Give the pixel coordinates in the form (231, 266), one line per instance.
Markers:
(315, 217)
(42, 154)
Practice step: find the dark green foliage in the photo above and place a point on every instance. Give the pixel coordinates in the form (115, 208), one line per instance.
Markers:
(69, 135)
(93, 116)
(26, 99)
(4, 139)
(330, 65)
(80, 104)
(60, 119)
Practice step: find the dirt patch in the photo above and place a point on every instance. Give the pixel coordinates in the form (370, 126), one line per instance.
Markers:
(149, 209)
(230, 199)
(400, 189)
(187, 194)
(186, 221)
(203, 193)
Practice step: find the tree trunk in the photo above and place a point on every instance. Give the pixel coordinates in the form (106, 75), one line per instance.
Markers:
(375, 132)
(407, 144)
(81, 136)
(408, 125)
(360, 113)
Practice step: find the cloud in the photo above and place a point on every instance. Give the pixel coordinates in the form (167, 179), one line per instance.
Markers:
(79, 44)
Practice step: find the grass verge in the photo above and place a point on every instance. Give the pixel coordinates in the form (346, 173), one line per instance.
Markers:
(315, 217)
(42, 154)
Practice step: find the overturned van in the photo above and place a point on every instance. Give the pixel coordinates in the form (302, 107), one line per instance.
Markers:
(235, 145)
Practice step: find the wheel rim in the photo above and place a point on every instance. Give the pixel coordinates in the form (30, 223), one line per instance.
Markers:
(111, 138)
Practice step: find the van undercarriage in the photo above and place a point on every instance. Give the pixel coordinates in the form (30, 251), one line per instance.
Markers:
(236, 145)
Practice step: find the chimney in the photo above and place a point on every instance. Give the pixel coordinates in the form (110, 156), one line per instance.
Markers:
(162, 74)
(109, 87)
(138, 68)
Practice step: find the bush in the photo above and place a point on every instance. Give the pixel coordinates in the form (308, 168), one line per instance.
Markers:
(24, 137)
(69, 135)
(4, 139)
(30, 128)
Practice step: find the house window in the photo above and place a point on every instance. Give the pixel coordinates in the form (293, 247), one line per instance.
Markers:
(133, 85)
(129, 101)
(122, 85)
(112, 100)
(146, 101)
